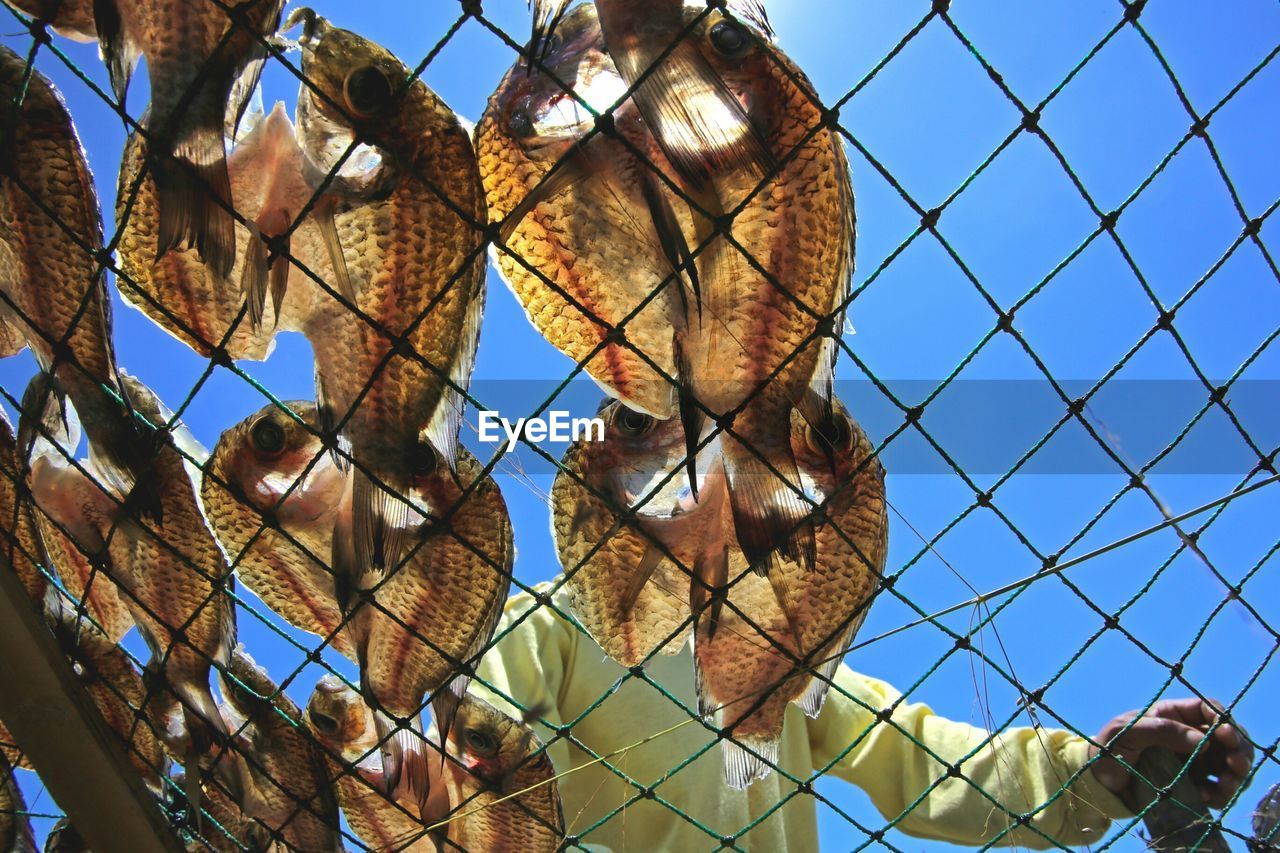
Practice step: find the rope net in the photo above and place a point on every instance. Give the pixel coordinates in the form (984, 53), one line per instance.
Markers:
(94, 588)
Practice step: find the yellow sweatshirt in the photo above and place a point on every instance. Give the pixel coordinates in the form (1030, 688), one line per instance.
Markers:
(548, 664)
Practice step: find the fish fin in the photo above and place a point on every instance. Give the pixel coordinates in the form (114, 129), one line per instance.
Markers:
(46, 420)
(192, 788)
(442, 429)
(692, 418)
(671, 239)
(769, 517)
(322, 215)
(327, 421)
(242, 91)
(379, 524)
(708, 586)
(742, 767)
(649, 562)
(253, 278)
(12, 340)
(261, 270)
(568, 171)
(547, 15)
(697, 138)
(279, 282)
(118, 51)
(194, 188)
(393, 742)
(815, 694)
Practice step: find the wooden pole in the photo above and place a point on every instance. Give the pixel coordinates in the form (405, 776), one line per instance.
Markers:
(79, 758)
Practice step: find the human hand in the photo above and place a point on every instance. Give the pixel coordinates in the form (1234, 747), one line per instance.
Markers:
(1178, 725)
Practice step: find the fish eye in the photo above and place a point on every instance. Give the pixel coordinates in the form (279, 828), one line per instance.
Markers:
(633, 423)
(423, 461)
(480, 742)
(323, 722)
(519, 124)
(730, 39)
(832, 433)
(367, 91)
(267, 437)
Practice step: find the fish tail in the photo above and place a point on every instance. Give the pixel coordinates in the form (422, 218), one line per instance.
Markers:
(748, 759)
(741, 766)
(394, 742)
(379, 522)
(769, 516)
(118, 51)
(194, 188)
(46, 416)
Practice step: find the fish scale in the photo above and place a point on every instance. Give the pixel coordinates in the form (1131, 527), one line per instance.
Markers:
(268, 181)
(761, 641)
(422, 620)
(729, 321)
(50, 231)
(416, 269)
(282, 562)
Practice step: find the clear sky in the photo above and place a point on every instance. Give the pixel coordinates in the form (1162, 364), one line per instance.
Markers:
(923, 123)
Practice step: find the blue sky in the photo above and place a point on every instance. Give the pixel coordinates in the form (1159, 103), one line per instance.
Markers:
(929, 118)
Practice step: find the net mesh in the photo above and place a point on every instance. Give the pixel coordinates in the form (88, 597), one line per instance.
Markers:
(1108, 617)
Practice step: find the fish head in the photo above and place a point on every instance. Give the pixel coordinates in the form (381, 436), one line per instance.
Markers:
(830, 448)
(276, 462)
(489, 744)
(339, 716)
(639, 465)
(545, 106)
(347, 104)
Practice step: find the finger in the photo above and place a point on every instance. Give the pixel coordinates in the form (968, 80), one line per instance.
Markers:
(1158, 732)
(1218, 794)
(1237, 752)
(1111, 774)
(1192, 711)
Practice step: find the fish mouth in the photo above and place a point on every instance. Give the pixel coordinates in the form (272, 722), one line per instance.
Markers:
(322, 721)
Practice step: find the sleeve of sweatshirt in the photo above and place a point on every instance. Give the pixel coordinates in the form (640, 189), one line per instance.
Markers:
(530, 664)
(940, 779)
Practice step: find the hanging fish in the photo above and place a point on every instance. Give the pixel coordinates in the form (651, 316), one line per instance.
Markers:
(292, 799)
(271, 494)
(410, 233)
(174, 581)
(269, 179)
(500, 780)
(52, 294)
(629, 582)
(412, 631)
(345, 727)
(727, 287)
(760, 642)
(203, 60)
